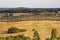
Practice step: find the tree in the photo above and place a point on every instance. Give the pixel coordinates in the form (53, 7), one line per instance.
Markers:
(53, 34)
(15, 30)
(36, 35)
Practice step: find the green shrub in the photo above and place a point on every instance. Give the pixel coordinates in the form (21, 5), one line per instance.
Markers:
(2, 38)
(48, 39)
(9, 38)
(53, 34)
(36, 35)
(15, 30)
(58, 38)
(19, 37)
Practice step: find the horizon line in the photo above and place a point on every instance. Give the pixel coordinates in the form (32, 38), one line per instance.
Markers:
(29, 7)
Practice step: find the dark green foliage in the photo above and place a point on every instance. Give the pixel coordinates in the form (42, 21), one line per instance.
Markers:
(58, 38)
(53, 34)
(33, 30)
(36, 35)
(23, 9)
(24, 38)
(15, 30)
(19, 37)
(9, 38)
(48, 39)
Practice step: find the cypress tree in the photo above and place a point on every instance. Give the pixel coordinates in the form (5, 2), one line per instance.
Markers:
(36, 35)
(53, 34)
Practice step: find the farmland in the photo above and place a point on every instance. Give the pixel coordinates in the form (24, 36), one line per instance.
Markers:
(43, 28)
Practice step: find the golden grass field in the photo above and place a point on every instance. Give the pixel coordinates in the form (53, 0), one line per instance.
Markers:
(43, 27)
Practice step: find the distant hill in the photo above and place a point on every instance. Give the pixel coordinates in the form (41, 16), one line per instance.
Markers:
(25, 10)
(29, 14)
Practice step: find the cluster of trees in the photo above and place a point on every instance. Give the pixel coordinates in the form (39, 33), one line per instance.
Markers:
(46, 13)
(36, 35)
(53, 35)
(27, 10)
(15, 10)
(15, 30)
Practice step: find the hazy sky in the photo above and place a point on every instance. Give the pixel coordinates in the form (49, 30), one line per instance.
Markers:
(30, 3)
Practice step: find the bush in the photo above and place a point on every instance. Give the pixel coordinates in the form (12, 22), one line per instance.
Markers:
(19, 37)
(58, 38)
(15, 30)
(9, 38)
(36, 35)
(53, 34)
(48, 39)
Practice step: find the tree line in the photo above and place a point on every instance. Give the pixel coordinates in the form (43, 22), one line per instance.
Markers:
(27, 10)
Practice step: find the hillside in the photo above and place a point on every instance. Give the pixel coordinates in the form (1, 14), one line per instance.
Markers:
(43, 27)
(26, 10)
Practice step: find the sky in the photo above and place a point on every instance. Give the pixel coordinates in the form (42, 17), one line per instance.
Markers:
(30, 3)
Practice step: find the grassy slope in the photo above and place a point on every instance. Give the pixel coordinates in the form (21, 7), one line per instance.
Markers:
(43, 27)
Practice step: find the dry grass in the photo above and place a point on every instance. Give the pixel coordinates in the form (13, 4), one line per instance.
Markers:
(43, 27)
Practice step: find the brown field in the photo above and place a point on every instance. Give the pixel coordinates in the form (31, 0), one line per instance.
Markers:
(43, 27)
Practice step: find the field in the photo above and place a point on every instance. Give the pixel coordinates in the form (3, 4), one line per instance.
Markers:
(43, 27)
